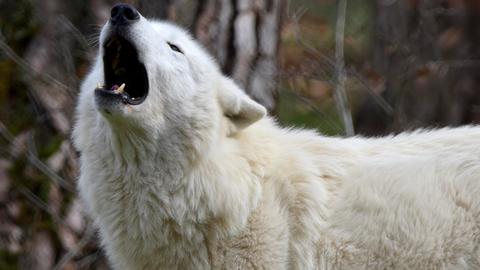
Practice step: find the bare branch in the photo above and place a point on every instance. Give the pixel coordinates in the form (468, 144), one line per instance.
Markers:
(340, 73)
(328, 121)
(87, 236)
(38, 202)
(82, 40)
(43, 77)
(36, 162)
(376, 97)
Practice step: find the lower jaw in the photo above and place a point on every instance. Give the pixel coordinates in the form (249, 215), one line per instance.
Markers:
(115, 95)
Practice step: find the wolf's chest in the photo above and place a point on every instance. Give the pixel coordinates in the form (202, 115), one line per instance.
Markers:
(136, 221)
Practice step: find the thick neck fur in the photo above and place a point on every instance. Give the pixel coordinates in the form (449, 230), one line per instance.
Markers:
(144, 151)
(150, 191)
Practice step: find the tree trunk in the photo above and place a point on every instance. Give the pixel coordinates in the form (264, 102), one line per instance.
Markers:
(243, 35)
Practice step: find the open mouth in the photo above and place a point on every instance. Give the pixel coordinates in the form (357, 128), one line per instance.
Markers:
(125, 75)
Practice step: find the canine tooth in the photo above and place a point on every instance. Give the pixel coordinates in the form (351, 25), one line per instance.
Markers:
(99, 85)
(120, 90)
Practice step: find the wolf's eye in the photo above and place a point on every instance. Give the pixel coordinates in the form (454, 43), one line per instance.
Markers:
(174, 47)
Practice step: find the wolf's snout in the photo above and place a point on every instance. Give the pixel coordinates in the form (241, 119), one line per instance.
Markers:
(123, 14)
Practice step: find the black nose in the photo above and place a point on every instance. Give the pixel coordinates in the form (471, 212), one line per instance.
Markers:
(124, 14)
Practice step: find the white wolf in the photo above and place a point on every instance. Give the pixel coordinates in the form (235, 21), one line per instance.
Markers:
(181, 170)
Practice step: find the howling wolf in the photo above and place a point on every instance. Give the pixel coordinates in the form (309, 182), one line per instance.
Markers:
(182, 170)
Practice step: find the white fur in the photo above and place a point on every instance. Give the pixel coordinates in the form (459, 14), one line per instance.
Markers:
(190, 179)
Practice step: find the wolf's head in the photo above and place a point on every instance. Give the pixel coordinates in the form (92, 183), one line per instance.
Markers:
(153, 76)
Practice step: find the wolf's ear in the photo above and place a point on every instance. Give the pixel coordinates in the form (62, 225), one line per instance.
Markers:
(239, 108)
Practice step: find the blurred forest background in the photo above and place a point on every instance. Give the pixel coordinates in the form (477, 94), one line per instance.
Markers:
(367, 67)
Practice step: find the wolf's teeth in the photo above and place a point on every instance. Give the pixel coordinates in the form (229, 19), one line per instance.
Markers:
(99, 85)
(120, 90)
